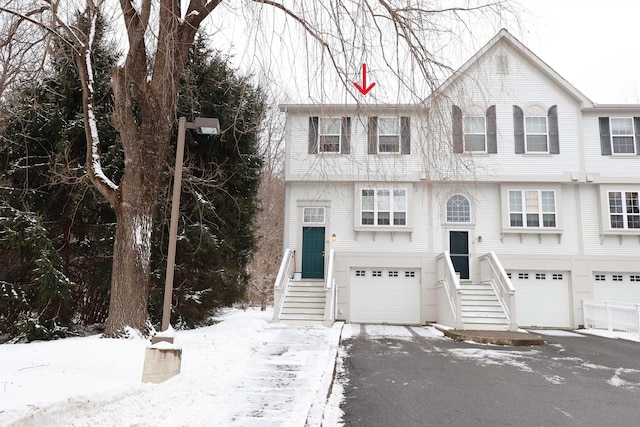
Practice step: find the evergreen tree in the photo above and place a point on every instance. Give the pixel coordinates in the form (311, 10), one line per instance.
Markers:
(42, 153)
(218, 205)
(69, 241)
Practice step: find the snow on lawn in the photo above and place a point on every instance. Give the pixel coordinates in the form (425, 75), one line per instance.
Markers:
(243, 370)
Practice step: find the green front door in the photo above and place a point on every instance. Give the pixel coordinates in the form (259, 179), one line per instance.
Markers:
(313, 253)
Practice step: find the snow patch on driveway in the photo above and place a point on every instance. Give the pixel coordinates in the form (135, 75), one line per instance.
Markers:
(496, 357)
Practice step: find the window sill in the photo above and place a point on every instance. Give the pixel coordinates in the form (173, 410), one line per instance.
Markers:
(538, 154)
(476, 153)
(621, 233)
(532, 231)
(375, 230)
(624, 156)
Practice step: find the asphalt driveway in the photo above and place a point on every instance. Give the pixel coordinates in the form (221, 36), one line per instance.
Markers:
(411, 376)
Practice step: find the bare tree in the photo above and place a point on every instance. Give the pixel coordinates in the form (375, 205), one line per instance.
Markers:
(145, 86)
(264, 266)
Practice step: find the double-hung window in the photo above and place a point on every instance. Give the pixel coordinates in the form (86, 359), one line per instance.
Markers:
(388, 135)
(329, 130)
(624, 210)
(475, 134)
(383, 207)
(532, 209)
(536, 135)
(622, 135)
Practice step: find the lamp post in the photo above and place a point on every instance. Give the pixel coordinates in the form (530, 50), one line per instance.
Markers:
(203, 126)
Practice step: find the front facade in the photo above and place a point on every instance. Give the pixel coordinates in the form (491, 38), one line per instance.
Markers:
(511, 160)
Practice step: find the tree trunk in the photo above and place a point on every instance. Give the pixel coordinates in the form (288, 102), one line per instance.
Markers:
(135, 211)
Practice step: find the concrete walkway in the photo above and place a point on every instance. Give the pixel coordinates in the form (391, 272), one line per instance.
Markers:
(288, 379)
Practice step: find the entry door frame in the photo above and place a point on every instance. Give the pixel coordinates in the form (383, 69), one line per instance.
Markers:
(469, 251)
(319, 274)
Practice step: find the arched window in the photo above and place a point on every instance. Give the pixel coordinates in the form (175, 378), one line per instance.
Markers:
(458, 209)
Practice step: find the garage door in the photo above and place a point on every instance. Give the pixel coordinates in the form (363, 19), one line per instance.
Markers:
(385, 295)
(542, 298)
(619, 287)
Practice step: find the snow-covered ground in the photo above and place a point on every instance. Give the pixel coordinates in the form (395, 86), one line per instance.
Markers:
(242, 371)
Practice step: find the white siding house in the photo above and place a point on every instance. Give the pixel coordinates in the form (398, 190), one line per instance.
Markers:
(512, 179)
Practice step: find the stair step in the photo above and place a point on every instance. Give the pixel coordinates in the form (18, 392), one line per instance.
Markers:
(306, 299)
(484, 314)
(466, 296)
(302, 311)
(302, 317)
(306, 292)
(476, 286)
(302, 306)
(484, 319)
(309, 283)
(480, 302)
(483, 309)
(486, 327)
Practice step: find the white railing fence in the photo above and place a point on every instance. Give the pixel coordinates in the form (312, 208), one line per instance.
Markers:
(491, 271)
(449, 293)
(613, 316)
(285, 274)
(330, 292)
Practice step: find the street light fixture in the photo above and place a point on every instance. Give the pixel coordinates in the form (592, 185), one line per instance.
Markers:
(203, 126)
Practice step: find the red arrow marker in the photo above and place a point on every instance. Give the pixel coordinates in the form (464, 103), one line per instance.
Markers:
(364, 89)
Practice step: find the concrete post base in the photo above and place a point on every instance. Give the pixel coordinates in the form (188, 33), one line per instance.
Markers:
(160, 364)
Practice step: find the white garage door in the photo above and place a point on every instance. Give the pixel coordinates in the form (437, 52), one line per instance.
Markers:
(385, 295)
(619, 287)
(542, 298)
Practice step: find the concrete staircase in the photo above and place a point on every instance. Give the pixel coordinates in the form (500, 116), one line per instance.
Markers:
(481, 309)
(304, 303)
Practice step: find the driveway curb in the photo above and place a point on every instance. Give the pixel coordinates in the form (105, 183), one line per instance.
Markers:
(495, 337)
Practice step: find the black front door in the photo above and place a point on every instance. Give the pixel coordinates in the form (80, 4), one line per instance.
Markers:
(313, 253)
(459, 251)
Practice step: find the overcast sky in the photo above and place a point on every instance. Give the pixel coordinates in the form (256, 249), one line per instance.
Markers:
(591, 43)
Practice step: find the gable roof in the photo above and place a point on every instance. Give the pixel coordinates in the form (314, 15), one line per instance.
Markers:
(506, 37)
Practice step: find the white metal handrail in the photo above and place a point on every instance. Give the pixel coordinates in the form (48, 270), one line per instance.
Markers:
(330, 292)
(492, 272)
(450, 281)
(285, 274)
(611, 316)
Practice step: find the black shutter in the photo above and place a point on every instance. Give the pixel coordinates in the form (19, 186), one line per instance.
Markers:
(345, 143)
(373, 135)
(492, 134)
(636, 123)
(405, 135)
(457, 136)
(605, 136)
(313, 135)
(554, 137)
(518, 129)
